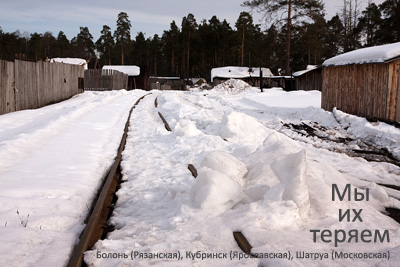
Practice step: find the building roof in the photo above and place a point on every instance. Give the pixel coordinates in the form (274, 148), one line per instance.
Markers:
(301, 72)
(375, 54)
(131, 70)
(239, 72)
(165, 78)
(73, 61)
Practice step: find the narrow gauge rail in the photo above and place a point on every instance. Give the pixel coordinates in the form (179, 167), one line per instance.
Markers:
(95, 228)
(102, 205)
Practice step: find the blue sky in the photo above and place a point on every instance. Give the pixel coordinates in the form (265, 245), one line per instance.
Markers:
(149, 16)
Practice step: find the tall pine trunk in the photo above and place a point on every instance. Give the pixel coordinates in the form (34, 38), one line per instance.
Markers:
(188, 58)
(242, 47)
(173, 62)
(289, 28)
(122, 54)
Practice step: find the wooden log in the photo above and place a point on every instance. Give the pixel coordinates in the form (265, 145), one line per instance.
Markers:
(242, 242)
(193, 170)
(165, 122)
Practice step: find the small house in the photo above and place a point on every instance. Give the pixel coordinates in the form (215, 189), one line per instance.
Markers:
(249, 75)
(137, 76)
(166, 83)
(308, 79)
(364, 82)
(287, 83)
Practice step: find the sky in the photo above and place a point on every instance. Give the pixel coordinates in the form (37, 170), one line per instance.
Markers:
(148, 16)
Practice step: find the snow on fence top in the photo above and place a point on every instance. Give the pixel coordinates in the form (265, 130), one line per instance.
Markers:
(239, 72)
(73, 61)
(131, 70)
(376, 54)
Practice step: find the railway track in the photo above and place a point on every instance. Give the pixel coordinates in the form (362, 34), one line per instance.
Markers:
(102, 208)
(96, 227)
(103, 205)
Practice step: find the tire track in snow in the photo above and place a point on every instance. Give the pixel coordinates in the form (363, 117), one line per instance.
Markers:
(24, 140)
(102, 206)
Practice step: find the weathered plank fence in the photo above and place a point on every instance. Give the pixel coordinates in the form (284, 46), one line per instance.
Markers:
(105, 80)
(29, 85)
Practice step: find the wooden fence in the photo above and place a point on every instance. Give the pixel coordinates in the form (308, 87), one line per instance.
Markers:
(29, 85)
(105, 80)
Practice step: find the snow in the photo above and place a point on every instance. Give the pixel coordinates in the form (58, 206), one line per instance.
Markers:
(376, 54)
(301, 72)
(73, 61)
(165, 78)
(232, 86)
(131, 70)
(51, 162)
(239, 72)
(256, 175)
(380, 133)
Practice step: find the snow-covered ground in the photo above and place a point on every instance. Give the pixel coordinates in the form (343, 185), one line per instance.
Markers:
(52, 161)
(258, 173)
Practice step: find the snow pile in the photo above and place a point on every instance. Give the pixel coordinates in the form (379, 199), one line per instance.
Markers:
(232, 86)
(376, 54)
(291, 171)
(221, 180)
(243, 130)
(218, 186)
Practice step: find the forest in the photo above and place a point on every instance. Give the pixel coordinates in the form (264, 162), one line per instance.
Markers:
(297, 35)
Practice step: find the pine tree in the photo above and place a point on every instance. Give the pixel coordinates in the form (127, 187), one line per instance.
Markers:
(35, 50)
(245, 29)
(226, 34)
(49, 44)
(84, 42)
(140, 50)
(391, 21)
(12, 45)
(369, 24)
(296, 9)
(62, 44)
(350, 16)
(154, 49)
(334, 38)
(122, 33)
(171, 47)
(105, 44)
(189, 27)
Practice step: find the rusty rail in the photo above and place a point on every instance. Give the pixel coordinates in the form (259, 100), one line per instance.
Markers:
(102, 205)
